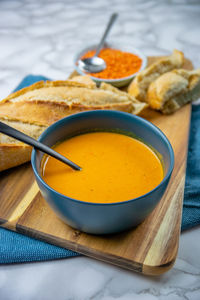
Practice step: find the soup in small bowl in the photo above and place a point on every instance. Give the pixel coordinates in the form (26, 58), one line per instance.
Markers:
(126, 166)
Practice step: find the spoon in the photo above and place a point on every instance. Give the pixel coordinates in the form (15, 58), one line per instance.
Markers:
(96, 64)
(18, 135)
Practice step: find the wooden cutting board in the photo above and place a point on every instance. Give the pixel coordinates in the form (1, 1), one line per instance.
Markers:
(151, 248)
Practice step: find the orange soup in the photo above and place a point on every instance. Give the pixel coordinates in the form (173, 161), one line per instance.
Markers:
(115, 167)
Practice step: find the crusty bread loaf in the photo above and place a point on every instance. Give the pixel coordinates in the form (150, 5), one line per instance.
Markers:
(139, 86)
(174, 89)
(34, 108)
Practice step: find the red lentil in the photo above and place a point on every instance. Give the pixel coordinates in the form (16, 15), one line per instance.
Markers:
(119, 64)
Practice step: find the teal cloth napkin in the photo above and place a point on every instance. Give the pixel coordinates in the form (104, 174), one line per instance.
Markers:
(15, 248)
(191, 203)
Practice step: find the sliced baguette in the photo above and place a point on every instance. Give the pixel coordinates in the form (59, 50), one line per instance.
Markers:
(139, 86)
(174, 89)
(34, 108)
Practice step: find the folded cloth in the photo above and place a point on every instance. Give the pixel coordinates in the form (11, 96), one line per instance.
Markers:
(16, 248)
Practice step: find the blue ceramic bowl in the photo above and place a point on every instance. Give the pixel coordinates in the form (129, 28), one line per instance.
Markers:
(98, 218)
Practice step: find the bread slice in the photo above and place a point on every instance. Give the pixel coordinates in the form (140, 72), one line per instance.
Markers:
(139, 86)
(13, 152)
(34, 108)
(173, 90)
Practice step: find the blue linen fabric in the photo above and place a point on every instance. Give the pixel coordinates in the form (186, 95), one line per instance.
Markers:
(191, 203)
(17, 248)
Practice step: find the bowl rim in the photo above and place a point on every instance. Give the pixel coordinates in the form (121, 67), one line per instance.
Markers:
(112, 45)
(57, 124)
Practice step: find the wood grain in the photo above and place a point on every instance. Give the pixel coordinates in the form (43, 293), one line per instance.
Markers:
(151, 248)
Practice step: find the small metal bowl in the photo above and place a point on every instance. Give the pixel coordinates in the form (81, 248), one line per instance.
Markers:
(115, 82)
(104, 218)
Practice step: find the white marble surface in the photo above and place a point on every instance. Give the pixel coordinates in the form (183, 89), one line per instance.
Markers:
(41, 37)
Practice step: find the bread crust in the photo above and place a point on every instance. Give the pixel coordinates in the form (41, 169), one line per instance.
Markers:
(139, 86)
(49, 112)
(12, 155)
(174, 89)
(33, 108)
(45, 84)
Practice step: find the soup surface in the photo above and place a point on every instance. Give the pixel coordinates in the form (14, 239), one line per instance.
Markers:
(115, 168)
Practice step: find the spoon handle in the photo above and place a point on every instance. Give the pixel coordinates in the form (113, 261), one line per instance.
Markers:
(10, 131)
(110, 23)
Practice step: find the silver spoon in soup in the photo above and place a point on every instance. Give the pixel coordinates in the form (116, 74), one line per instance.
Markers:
(18, 135)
